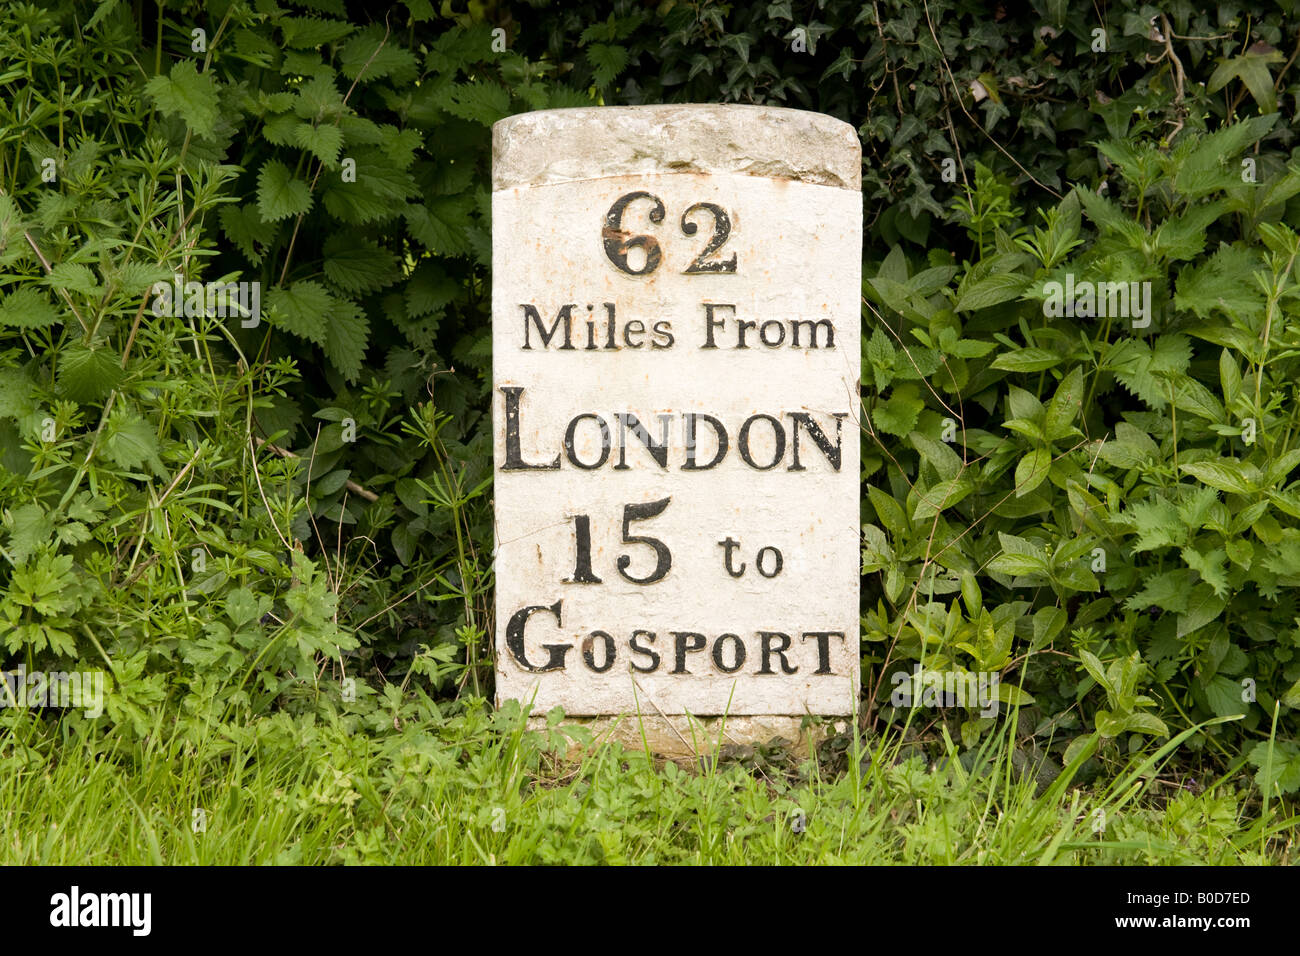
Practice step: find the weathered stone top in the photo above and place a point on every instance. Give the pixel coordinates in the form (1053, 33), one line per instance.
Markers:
(559, 146)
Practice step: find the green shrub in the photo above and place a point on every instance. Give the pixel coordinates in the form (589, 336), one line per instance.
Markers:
(241, 516)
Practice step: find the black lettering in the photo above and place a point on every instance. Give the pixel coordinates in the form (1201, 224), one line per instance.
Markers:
(729, 545)
(832, 452)
(812, 332)
(780, 561)
(780, 332)
(658, 450)
(514, 457)
(605, 443)
(662, 329)
(777, 432)
(690, 464)
(739, 661)
(769, 650)
(565, 315)
(710, 323)
(588, 645)
(515, 639)
(681, 649)
(609, 331)
(638, 649)
(635, 327)
(823, 648)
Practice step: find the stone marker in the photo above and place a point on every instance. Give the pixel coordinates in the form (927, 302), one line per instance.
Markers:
(675, 316)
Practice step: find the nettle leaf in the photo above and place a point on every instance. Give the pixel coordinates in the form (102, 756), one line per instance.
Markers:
(1157, 523)
(302, 309)
(429, 289)
(346, 334)
(607, 62)
(356, 265)
(370, 56)
(244, 226)
(88, 375)
(483, 103)
(897, 414)
(279, 194)
(30, 529)
(311, 32)
(130, 440)
(440, 224)
(26, 308)
(1279, 765)
(189, 94)
(17, 393)
(1209, 165)
(1212, 567)
(1168, 591)
(323, 142)
(1224, 281)
(319, 99)
(74, 277)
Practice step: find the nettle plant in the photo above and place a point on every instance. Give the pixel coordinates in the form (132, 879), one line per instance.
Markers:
(1094, 423)
(141, 531)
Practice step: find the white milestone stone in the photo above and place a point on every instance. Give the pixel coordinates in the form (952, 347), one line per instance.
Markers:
(658, 270)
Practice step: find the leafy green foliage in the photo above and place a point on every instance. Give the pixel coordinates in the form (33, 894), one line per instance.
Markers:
(240, 516)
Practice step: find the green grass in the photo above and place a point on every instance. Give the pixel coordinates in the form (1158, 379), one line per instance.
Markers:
(473, 787)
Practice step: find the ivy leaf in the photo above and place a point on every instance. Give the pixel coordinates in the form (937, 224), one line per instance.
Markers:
(189, 94)
(1252, 69)
(279, 194)
(26, 308)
